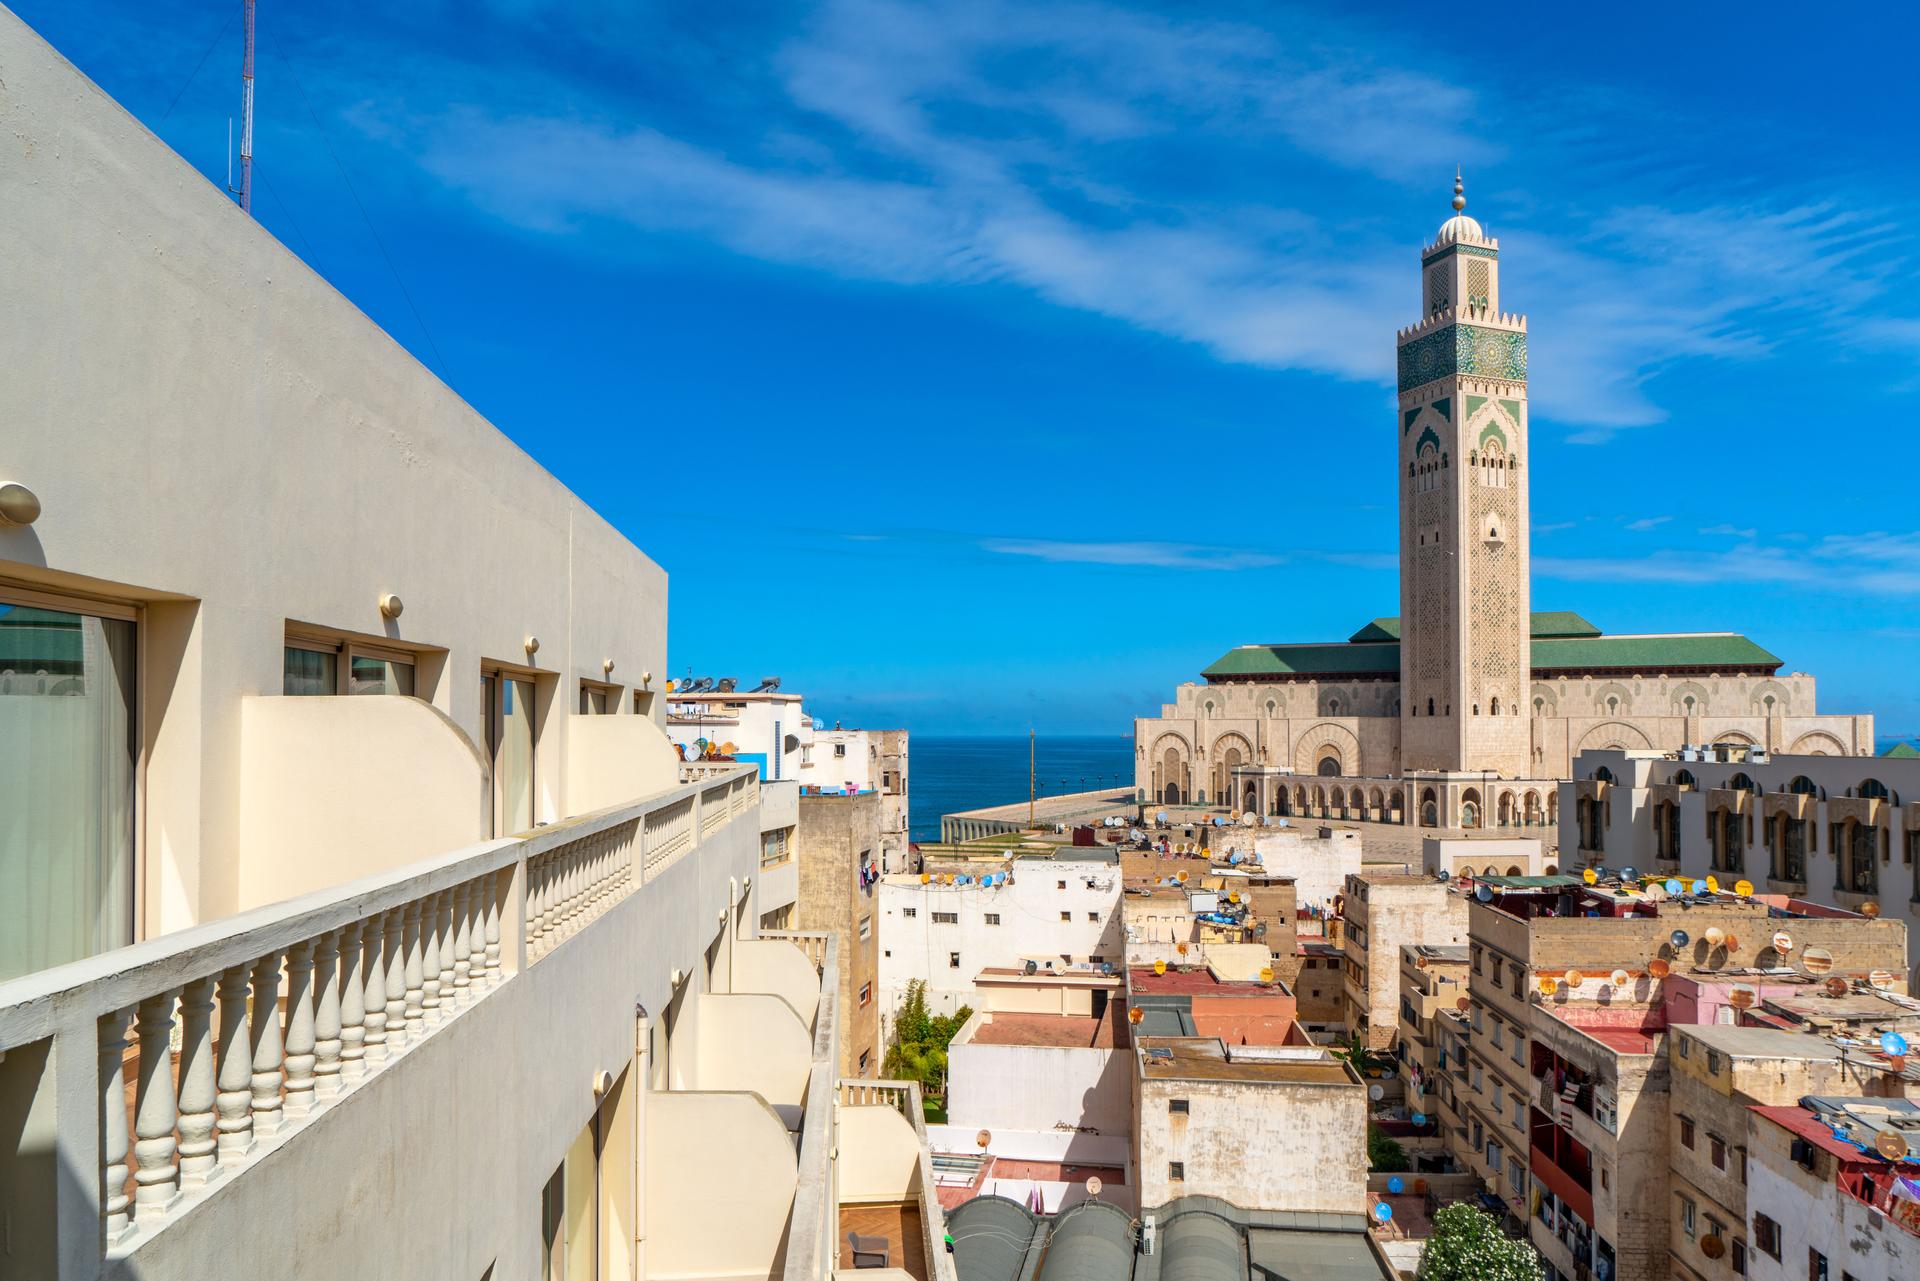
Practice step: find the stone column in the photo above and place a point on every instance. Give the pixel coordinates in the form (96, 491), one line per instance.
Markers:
(114, 1201)
(197, 1146)
(156, 1178)
(395, 926)
(415, 974)
(353, 1007)
(269, 1057)
(302, 1038)
(326, 1018)
(235, 1125)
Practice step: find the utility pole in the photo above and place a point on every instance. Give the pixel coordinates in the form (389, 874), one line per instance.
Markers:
(246, 111)
(1030, 780)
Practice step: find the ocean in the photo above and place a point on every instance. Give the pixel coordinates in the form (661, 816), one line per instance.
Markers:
(948, 774)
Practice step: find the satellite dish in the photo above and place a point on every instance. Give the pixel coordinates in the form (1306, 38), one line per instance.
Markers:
(1679, 938)
(1396, 1185)
(1233, 896)
(1266, 974)
(1159, 967)
(1376, 1093)
(1383, 1212)
(1419, 1118)
(1628, 874)
(1887, 1143)
(1094, 1185)
(1590, 876)
(1180, 948)
(1817, 960)
(1420, 962)
(1135, 1014)
(1880, 980)
(1836, 986)
(1548, 986)
(983, 1138)
(1180, 877)
(1712, 1247)
(1743, 888)
(1741, 997)
(1160, 817)
(1572, 978)
(1658, 967)
(1699, 887)
(1869, 910)
(1893, 1044)
(1733, 943)
(1619, 978)
(925, 877)
(1484, 893)
(1713, 885)
(1462, 1004)
(1714, 936)
(1673, 886)
(1782, 942)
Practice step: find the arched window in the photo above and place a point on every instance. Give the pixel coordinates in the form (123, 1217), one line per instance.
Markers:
(1688, 702)
(1803, 786)
(1496, 707)
(1613, 706)
(1539, 707)
(1272, 707)
(1333, 707)
(1603, 775)
(1329, 767)
(1429, 707)
(1685, 778)
(1873, 789)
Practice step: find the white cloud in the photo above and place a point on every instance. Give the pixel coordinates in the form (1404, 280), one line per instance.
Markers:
(1871, 564)
(1156, 555)
(1724, 530)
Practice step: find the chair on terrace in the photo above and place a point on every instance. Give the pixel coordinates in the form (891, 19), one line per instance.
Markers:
(869, 1252)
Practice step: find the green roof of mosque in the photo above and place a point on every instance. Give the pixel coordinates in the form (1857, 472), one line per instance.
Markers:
(1561, 642)
(1902, 751)
(1553, 623)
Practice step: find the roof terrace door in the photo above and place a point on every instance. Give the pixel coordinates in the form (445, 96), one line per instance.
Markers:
(509, 703)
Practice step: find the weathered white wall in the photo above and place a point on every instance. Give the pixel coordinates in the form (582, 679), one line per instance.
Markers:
(1029, 907)
(217, 435)
(1037, 1087)
(879, 1156)
(1262, 1145)
(1318, 865)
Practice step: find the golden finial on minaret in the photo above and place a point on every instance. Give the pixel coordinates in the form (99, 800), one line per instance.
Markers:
(1459, 191)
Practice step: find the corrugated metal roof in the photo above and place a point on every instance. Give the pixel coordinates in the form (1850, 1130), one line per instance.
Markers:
(991, 1237)
(1201, 1247)
(1093, 1241)
(1549, 653)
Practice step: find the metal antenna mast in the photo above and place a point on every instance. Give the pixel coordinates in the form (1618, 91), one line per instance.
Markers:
(246, 114)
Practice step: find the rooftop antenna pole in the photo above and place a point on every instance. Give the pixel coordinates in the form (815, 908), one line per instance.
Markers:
(246, 114)
(1029, 778)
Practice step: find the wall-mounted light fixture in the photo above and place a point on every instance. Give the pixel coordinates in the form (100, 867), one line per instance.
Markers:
(392, 606)
(606, 667)
(646, 678)
(533, 644)
(18, 504)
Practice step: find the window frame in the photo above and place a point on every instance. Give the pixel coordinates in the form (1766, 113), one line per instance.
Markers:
(347, 646)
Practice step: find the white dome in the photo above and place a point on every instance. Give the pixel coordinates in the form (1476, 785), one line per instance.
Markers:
(1460, 227)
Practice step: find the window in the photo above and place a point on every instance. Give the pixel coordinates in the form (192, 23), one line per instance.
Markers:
(1686, 1131)
(1060, 885)
(1713, 1062)
(593, 699)
(839, 749)
(1686, 1047)
(1066, 916)
(775, 847)
(946, 918)
(1737, 1255)
(866, 927)
(311, 665)
(1093, 916)
(866, 999)
(1686, 1217)
(305, 672)
(866, 1058)
(909, 912)
(1177, 1171)
(953, 960)
(69, 719)
(1717, 1147)
(1766, 1236)
(1178, 1105)
(993, 918)
(1816, 1265)
(643, 703)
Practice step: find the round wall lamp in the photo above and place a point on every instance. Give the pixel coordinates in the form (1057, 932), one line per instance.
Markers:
(646, 678)
(533, 644)
(606, 667)
(18, 505)
(392, 606)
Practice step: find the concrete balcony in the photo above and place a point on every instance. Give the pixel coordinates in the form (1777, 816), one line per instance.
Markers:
(386, 1077)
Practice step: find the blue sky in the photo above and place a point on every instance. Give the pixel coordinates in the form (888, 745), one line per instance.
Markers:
(986, 365)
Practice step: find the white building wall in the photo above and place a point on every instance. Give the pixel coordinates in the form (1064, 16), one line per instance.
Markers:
(1859, 1242)
(1029, 907)
(1038, 1087)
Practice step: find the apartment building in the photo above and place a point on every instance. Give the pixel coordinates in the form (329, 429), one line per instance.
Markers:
(1573, 989)
(1433, 994)
(346, 874)
(1382, 913)
(836, 849)
(1718, 1074)
(1839, 830)
(1827, 1203)
(939, 929)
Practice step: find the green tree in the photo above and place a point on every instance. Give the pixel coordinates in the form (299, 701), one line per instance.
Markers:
(1467, 1245)
(1384, 1153)
(918, 1051)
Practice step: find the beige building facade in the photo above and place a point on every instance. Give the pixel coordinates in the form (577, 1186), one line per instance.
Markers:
(1463, 709)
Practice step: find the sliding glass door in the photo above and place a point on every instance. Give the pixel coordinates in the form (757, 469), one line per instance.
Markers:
(68, 747)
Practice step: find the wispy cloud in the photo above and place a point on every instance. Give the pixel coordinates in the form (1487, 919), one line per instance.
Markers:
(1150, 554)
(1724, 530)
(1875, 564)
(1647, 522)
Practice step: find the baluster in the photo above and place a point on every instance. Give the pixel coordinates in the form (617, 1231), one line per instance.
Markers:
(113, 1121)
(474, 928)
(396, 987)
(236, 1068)
(490, 889)
(376, 993)
(156, 1178)
(302, 1036)
(430, 959)
(462, 946)
(416, 972)
(326, 1020)
(536, 905)
(353, 1007)
(447, 995)
(197, 1146)
(269, 1058)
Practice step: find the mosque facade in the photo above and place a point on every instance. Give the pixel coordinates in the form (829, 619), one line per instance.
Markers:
(1468, 707)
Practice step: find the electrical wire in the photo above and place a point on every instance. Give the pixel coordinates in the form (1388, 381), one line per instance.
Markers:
(311, 258)
(204, 55)
(358, 203)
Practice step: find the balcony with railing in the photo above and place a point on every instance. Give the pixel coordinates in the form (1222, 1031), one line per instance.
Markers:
(320, 1082)
(1562, 1166)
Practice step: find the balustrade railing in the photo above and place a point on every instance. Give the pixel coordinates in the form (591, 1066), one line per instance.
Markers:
(715, 807)
(279, 1013)
(814, 944)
